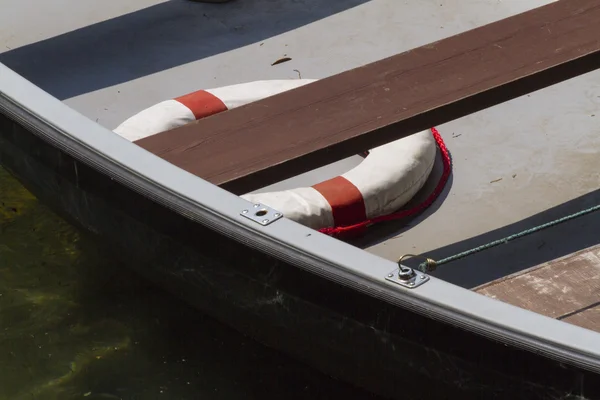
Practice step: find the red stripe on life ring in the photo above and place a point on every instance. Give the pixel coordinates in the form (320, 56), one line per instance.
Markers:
(346, 201)
(202, 103)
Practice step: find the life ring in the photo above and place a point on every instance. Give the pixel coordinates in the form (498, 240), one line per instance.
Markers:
(170, 114)
(381, 184)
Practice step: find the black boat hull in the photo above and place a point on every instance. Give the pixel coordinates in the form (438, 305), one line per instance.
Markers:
(358, 338)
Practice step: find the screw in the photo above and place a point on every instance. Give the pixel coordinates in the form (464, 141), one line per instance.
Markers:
(422, 277)
(277, 215)
(390, 275)
(245, 212)
(265, 221)
(411, 284)
(256, 205)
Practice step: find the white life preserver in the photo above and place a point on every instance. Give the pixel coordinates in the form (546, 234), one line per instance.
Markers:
(170, 114)
(381, 184)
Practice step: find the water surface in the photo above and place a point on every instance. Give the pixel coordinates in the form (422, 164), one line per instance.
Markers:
(76, 324)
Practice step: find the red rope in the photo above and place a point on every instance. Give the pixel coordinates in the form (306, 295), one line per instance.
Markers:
(360, 227)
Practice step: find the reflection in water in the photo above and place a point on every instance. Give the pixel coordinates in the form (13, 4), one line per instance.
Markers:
(76, 324)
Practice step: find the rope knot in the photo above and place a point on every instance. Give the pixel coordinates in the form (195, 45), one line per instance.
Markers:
(428, 265)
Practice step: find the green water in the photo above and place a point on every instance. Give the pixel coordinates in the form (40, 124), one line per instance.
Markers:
(74, 324)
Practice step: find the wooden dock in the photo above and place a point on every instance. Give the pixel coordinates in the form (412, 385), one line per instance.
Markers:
(567, 288)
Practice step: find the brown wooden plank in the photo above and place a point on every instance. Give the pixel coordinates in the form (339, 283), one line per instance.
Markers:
(587, 318)
(561, 288)
(290, 133)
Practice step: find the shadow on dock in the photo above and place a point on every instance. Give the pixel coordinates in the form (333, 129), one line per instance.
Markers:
(157, 38)
(526, 252)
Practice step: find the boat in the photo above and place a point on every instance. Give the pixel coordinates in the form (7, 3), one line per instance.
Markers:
(482, 283)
